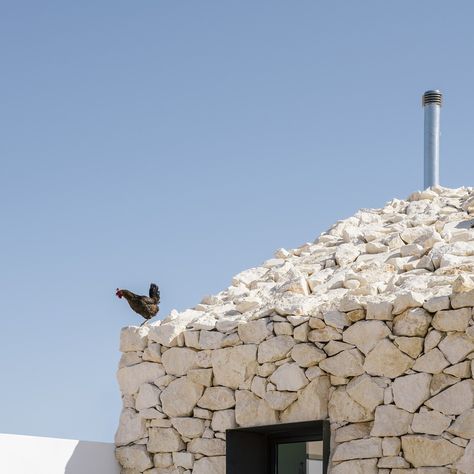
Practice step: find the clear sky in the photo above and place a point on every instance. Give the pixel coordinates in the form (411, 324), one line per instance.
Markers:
(183, 141)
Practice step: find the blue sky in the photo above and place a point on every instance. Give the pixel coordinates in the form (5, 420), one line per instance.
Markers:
(182, 142)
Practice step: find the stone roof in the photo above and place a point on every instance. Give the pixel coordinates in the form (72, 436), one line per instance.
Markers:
(405, 252)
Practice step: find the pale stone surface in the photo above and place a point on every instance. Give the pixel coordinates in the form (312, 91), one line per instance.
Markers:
(391, 446)
(253, 332)
(466, 462)
(275, 349)
(345, 364)
(336, 319)
(392, 462)
(353, 431)
(413, 322)
(429, 451)
(289, 377)
(366, 334)
(148, 396)
(252, 411)
(185, 460)
(134, 457)
(407, 300)
(433, 362)
(454, 400)
(180, 397)
(201, 376)
(454, 320)
(130, 378)
(456, 347)
(386, 360)
(213, 465)
(223, 420)
(411, 346)
(358, 449)
(280, 400)
(410, 391)
(432, 340)
(208, 447)
(179, 360)
(430, 422)
(188, 427)
(217, 398)
(164, 440)
(461, 370)
(464, 425)
(391, 421)
(381, 310)
(365, 391)
(131, 427)
(312, 403)
(233, 365)
(359, 466)
(306, 355)
(460, 300)
(343, 408)
(133, 338)
(441, 381)
(437, 303)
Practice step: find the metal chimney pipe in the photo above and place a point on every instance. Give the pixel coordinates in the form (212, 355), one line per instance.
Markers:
(432, 104)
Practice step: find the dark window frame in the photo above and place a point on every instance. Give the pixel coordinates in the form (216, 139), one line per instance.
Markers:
(253, 450)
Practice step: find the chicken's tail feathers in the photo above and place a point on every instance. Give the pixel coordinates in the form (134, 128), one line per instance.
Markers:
(154, 292)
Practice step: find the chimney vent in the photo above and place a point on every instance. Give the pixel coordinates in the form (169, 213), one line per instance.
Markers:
(432, 101)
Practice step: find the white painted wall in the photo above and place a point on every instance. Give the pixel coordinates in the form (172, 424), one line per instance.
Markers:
(37, 455)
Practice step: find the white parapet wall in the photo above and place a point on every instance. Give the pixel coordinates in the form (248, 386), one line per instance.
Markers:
(28, 454)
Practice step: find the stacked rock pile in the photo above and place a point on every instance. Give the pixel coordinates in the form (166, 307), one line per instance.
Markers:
(371, 326)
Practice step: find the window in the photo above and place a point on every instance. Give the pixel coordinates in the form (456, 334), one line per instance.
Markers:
(293, 448)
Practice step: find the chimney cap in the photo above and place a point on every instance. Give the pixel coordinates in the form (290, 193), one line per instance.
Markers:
(432, 97)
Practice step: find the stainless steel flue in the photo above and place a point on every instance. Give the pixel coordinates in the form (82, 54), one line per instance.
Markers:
(432, 104)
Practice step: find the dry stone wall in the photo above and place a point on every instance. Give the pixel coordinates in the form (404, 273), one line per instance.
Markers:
(371, 326)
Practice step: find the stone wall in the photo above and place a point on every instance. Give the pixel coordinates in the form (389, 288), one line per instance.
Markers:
(370, 327)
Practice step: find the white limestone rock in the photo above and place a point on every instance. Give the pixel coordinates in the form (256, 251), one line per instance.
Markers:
(365, 334)
(130, 378)
(307, 355)
(223, 420)
(366, 392)
(253, 332)
(430, 422)
(188, 427)
(280, 400)
(453, 320)
(274, 349)
(411, 346)
(131, 427)
(134, 457)
(343, 408)
(454, 400)
(185, 460)
(208, 447)
(464, 425)
(345, 364)
(391, 446)
(217, 398)
(312, 403)
(358, 449)
(201, 376)
(148, 396)
(164, 440)
(433, 362)
(251, 410)
(456, 346)
(406, 300)
(413, 322)
(465, 463)
(336, 319)
(429, 451)
(180, 397)
(212, 465)
(289, 377)
(133, 338)
(391, 421)
(461, 300)
(357, 466)
(234, 365)
(179, 360)
(386, 360)
(410, 391)
(381, 310)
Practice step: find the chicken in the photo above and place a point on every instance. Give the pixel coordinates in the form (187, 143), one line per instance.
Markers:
(145, 306)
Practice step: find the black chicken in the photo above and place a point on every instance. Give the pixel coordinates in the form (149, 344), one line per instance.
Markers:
(145, 306)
